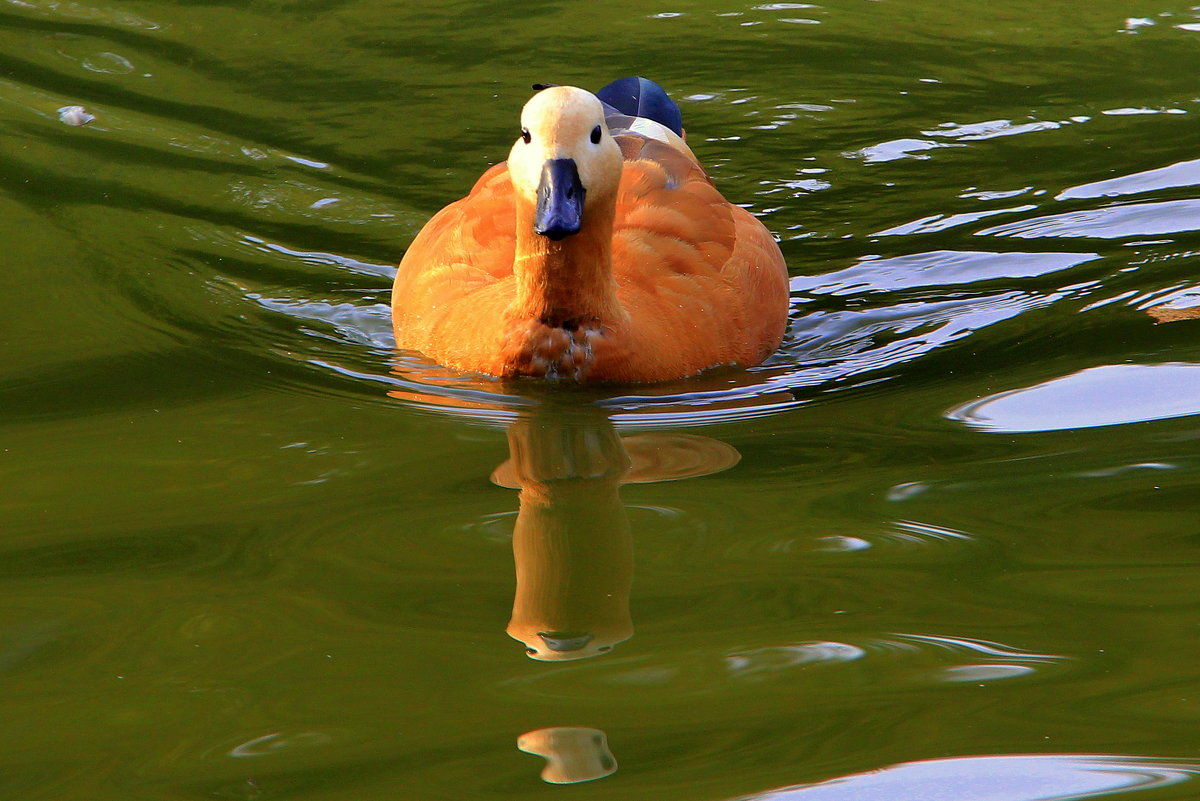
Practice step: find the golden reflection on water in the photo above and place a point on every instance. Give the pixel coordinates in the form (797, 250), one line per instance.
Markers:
(571, 544)
(573, 754)
(574, 552)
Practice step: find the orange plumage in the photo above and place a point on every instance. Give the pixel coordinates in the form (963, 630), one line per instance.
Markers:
(662, 279)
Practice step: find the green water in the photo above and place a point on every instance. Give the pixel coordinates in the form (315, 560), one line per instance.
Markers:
(949, 533)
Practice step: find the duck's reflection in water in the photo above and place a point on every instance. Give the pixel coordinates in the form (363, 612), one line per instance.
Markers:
(574, 551)
(572, 545)
(573, 754)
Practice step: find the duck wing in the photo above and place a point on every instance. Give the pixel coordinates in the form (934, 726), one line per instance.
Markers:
(702, 281)
(458, 274)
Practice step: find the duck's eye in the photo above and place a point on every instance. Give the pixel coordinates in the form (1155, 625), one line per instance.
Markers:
(525, 135)
(596, 135)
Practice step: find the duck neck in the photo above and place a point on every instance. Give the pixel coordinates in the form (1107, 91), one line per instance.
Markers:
(569, 280)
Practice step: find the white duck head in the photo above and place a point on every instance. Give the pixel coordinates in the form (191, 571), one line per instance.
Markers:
(565, 162)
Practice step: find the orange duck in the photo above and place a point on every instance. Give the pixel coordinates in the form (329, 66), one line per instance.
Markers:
(599, 252)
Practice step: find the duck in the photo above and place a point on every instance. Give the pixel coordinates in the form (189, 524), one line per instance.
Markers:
(600, 251)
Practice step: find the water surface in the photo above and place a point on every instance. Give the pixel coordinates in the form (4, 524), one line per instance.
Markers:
(943, 545)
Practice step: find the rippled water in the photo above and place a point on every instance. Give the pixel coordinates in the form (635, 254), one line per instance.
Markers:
(943, 545)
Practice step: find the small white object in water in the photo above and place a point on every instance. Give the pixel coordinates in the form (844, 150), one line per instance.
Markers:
(75, 115)
(1134, 24)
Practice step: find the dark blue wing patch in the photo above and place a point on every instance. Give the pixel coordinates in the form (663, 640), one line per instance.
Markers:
(642, 97)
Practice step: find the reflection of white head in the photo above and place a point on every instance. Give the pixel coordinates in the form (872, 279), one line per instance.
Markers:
(573, 753)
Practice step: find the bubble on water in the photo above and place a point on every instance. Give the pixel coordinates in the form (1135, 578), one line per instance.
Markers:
(840, 543)
(279, 741)
(75, 115)
(772, 659)
(108, 63)
(982, 673)
(1134, 24)
(910, 489)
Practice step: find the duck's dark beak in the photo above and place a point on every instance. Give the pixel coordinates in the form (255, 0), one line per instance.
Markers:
(559, 200)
